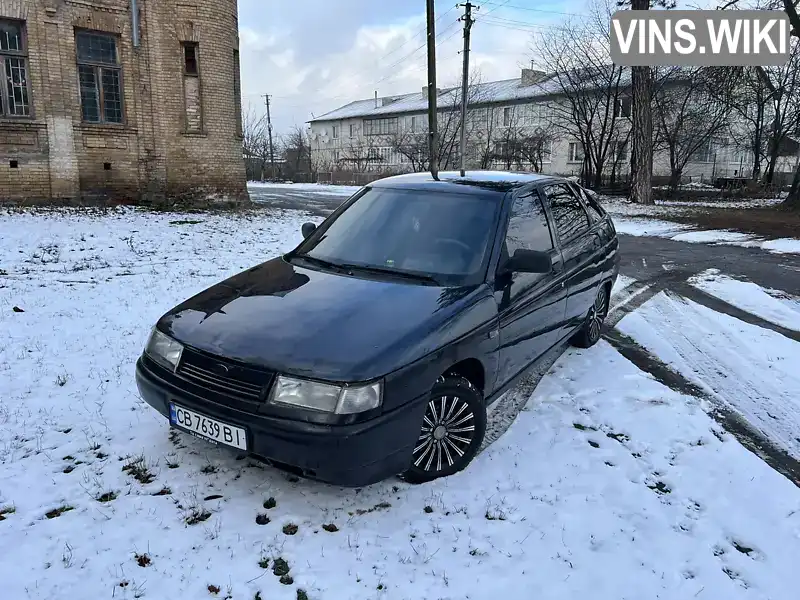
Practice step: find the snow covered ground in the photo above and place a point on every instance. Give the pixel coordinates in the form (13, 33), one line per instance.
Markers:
(773, 305)
(748, 368)
(608, 485)
(312, 188)
(635, 219)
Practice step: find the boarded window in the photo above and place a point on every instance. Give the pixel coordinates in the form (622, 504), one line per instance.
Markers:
(237, 92)
(14, 86)
(192, 88)
(99, 77)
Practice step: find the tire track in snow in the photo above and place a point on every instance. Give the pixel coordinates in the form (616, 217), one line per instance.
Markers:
(504, 411)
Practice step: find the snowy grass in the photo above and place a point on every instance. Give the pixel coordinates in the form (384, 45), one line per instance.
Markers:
(639, 220)
(608, 485)
(750, 369)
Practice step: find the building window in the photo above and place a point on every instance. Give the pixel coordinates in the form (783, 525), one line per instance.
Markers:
(100, 77)
(575, 153)
(479, 117)
(380, 126)
(704, 154)
(352, 130)
(237, 93)
(547, 150)
(506, 116)
(14, 87)
(192, 90)
(190, 59)
(619, 151)
(413, 124)
(622, 108)
(335, 131)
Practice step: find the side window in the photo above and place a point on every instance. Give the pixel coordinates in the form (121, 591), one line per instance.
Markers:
(570, 218)
(595, 212)
(527, 227)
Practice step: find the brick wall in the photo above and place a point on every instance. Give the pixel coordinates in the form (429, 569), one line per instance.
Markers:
(175, 141)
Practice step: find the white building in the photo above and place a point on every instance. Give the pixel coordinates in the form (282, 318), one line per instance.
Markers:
(389, 134)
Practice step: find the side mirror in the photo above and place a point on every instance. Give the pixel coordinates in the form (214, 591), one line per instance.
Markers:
(308, 229)
(529, 261)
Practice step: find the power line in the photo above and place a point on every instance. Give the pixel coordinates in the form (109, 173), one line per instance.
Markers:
(523, 25)
(413, 52)
(422, 31)
(539, 10)
(496, 6)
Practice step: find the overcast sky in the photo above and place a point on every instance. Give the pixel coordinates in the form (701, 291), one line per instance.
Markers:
(313, 56)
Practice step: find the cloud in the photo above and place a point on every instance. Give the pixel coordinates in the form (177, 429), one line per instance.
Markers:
(313, 56)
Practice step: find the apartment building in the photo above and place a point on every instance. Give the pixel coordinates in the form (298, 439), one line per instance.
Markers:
(120, 100)
(385, 133)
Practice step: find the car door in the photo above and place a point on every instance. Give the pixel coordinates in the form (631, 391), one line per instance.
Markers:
(531, 307)
(580, 248)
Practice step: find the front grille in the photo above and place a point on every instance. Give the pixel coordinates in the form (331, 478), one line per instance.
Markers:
(223, 376)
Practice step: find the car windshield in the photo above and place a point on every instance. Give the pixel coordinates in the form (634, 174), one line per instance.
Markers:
(446, 236)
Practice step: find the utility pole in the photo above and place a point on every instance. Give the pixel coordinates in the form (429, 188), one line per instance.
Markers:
(433, 142)
(269, 132)
(468, 21)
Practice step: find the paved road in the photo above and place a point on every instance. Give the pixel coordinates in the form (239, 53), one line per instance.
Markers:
(643, 258)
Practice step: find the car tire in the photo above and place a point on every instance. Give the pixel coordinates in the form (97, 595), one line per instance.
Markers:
(452, 430)
(589, 333)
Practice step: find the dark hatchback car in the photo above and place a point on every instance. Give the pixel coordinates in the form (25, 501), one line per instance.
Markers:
(375, 346)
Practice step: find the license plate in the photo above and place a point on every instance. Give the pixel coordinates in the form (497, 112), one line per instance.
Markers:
(207, 428)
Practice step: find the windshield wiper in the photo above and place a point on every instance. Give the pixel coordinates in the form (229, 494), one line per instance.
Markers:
(336, 266)
(321, 262)
(390, 272)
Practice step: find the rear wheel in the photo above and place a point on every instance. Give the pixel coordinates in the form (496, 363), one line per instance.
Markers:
(452, 430)
(589, 334)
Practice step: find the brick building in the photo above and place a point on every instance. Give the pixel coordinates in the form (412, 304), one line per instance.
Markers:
(120, 100)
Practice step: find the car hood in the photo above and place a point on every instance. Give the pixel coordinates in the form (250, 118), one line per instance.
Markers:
(324, 325)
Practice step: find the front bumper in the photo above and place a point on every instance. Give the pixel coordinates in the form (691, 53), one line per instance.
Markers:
(348, 455)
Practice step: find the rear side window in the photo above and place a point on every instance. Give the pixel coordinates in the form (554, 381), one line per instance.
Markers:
(595, 212)
(527, 227)
(570, 218)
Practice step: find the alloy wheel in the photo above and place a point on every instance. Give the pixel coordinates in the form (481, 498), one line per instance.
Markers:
(448, 431)
(597, 315)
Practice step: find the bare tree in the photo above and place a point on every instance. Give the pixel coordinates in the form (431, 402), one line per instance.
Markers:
(535, 147)
(783, 85)
(484, 121)
(412, 145)
(360, 153)
(791, 7)
(594, 94)
(509, 137)
(689, 116)
(255, 143)
(297, 152)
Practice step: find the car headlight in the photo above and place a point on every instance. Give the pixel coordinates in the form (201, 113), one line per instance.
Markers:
(164, 350)
(324, 397)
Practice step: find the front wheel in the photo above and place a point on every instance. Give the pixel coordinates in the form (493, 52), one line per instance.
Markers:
(589, 334)
(452, 430)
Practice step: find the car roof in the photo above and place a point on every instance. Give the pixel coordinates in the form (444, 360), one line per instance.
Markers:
(472, 182)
